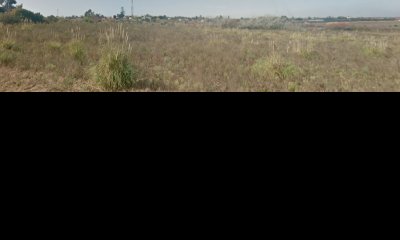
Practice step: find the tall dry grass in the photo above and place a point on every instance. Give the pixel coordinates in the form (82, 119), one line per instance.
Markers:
(132, 57)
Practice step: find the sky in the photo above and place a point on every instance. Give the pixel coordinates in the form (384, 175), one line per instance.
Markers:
(232, 8)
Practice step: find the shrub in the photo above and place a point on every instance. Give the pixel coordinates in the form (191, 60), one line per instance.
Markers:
(7, 58)
(9, 45)
(29, 16)
(274, 66)
(309, 55)
(54, 46)
(292, 87)
(19, 14)
(375, 47)
(7, 18)
(373, 52)
(77, 51)
(51, 19)
(88, 20)
(114, 72)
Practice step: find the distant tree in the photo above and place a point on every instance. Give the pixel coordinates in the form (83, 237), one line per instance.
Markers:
(1, 6)
(91, 16)
(51, 19)
(7, 5)
(89, 13)
(26, 15)
(19, 14)
(121, 15)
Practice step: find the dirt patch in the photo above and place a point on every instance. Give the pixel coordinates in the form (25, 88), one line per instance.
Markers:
(15, 80)
(12, 80)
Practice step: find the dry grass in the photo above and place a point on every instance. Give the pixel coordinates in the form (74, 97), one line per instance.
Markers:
(64, 57)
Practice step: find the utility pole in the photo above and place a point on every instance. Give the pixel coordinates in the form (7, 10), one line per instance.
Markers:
(57, 12)
(132, 9)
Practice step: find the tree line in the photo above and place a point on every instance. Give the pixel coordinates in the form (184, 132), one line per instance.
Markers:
(11, 13)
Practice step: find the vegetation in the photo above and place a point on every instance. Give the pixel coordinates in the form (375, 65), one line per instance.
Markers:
(114, 71)
(7, 5)
(52, 19)
(158, 53)
(11, 14)
(91, 17)
(121, 15)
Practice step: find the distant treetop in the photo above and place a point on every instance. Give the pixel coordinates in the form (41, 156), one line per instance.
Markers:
(7, 5)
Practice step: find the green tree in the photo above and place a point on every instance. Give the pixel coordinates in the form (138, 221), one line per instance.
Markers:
(122, 14)
(19, 14)
(7, 5)
(51, 19)
(1, 6)
(89, 13)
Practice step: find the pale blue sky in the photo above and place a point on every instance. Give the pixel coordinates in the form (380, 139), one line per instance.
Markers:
(234, 8)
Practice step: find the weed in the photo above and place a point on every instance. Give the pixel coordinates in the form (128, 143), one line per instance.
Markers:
(77, 51)
(375, 47)
(50, 67)
(310, 55)
(292, 87)
(54, 46)
(7, 58)
(9, 45)
(114, 71)
(274, 66)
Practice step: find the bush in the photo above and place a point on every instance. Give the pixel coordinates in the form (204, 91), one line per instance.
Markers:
(375, 47)
(9, 45)
(51, 19)
(54, 46)
(19, 14)
(77, 51)
(114, 72)
(7, 18)
(7, 58)
(89, 19)
(373, 52)
(26, 15)
(274, 66)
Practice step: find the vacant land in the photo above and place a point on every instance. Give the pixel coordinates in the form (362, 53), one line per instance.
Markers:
(79, 56)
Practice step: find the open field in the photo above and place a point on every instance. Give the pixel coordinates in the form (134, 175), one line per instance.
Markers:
(78, 56)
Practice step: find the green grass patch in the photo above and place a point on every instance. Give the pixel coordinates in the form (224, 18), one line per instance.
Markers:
(275, 67)
(7, 58)
(115, 72)
(373, 52)
(54, 46)
(9, 45)
(77, 51)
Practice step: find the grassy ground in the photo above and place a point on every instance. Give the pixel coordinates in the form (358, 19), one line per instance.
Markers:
(70, 57)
